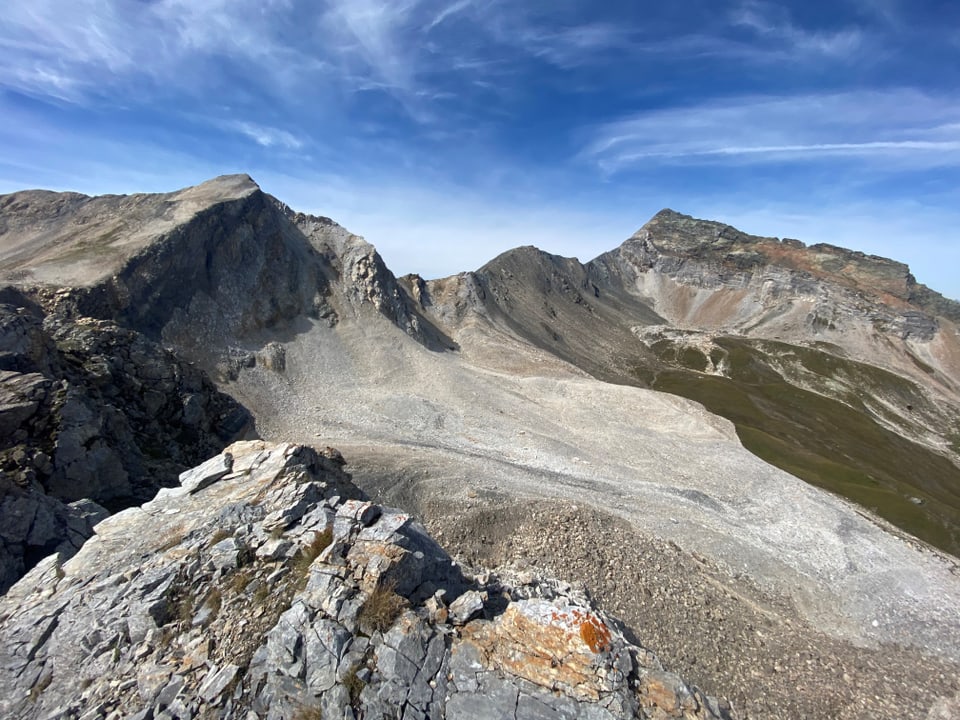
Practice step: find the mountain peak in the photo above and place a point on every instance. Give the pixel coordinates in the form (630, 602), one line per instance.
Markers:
(686, 238)
(226, 187)
(73, 239)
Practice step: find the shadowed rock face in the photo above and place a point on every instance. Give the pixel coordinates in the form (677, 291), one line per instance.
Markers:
(265, 584)
(202, 269)
(90, 411)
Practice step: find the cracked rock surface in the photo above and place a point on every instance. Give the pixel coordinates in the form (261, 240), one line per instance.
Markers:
(266, 586)
(91, 413)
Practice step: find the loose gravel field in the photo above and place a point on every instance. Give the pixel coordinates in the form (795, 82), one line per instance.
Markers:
(789, 601)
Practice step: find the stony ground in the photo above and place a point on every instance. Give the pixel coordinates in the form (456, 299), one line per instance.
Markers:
(257, 590)
(422, 432)
(719, 631)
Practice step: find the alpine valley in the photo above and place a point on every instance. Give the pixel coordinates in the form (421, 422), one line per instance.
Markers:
(247, 472)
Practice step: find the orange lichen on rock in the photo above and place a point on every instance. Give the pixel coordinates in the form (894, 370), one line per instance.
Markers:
(595, 634)
(555, 647)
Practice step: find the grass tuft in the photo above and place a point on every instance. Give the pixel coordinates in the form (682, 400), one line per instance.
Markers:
(382, 608)
(303, 560)
(311, 712)
(221, 534)
(353, 683)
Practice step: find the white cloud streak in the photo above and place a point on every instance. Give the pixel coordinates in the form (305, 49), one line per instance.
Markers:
(93, 47)
(773, 22)
(902, 124)
(447, 12)
(268, 136)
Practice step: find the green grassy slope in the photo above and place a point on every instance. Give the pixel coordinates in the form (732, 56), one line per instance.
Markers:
(832, 443)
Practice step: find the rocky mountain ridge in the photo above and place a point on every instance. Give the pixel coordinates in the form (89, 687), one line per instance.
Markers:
(818, 355)
(223, 259)
(833, 287)
(264, 586)
(531, 382)
(686, 237)
(92, 406)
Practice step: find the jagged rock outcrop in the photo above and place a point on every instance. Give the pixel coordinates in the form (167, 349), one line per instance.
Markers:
(91, 412)
(266, 587)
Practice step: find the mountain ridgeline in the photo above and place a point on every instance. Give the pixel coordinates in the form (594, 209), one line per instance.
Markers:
(833, 365)
(595, 402)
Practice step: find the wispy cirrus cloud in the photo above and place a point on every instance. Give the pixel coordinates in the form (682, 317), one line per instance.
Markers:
(773, 23)
(586, 44)
(368, 36)
(268, 136)
(447, 12)
(905, 125)
(84, 50)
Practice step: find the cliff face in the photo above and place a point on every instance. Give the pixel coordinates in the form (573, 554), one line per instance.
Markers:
(202, 269)
(707, 276)
(265, 585)
(91, 414)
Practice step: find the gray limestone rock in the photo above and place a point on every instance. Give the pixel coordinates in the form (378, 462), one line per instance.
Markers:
(466, 607)
(198, 478)
(160, 615)
(217, 682)
(91, 411)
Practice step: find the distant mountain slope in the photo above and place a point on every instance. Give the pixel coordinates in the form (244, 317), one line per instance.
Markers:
(199, 268)
(474, 401)
(832, 364)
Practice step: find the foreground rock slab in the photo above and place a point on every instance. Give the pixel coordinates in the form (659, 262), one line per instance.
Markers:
(278, 591)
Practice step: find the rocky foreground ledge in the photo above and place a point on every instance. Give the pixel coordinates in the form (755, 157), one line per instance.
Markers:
(265, 586)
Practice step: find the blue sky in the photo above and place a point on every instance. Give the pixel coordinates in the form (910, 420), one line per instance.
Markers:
(447, 132)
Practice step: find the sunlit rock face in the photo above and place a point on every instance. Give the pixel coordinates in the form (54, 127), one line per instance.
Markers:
(265, 586)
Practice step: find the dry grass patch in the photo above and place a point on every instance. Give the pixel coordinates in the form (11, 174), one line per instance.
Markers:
(221, 534)
(171, 538)
(353, 684)
(308, 713)
(301, 562)
(382, 608)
